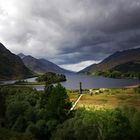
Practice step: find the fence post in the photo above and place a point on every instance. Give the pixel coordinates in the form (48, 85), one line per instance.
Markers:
(80, 87)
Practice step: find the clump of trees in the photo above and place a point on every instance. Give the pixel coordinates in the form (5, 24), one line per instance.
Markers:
(21, 82)
(119, 74)
(34, 113)
(137, 89)
(51, 77)
(114, 124)
(110, 73)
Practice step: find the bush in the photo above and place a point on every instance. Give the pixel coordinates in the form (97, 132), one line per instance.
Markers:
(136, 125)
(6, 134)
(137, 89)
(113, 124)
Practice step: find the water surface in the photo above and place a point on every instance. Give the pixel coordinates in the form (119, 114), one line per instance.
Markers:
(97, 82)
(73, 81)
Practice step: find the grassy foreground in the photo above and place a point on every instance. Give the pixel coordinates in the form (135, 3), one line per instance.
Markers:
(108, 98)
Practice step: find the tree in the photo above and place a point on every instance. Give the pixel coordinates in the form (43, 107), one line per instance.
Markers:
(2, 108)
(2, 105)
(58, 103)
(15, 110)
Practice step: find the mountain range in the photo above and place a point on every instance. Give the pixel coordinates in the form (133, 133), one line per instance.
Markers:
(41, 65)
(11, 66)
(23, 66)
(118, 61)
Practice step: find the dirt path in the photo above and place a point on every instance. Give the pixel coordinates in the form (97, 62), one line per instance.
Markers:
(76, 102)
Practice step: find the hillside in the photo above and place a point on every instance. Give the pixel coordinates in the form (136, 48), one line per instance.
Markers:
(129, 69)
(129, 66)
(11, 66)
(114, 60)
(41, 65)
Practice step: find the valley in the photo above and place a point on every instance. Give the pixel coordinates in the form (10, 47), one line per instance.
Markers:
(70, 70)
(40, 100)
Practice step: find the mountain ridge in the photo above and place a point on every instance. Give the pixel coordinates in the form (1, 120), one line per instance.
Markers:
(11, 66)
(113, 60)
(41, 65)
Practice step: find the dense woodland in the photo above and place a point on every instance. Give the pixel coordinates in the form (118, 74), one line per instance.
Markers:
(25, 110)
(28, 114)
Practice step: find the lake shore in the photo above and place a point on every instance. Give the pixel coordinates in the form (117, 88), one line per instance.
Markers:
(88, 82)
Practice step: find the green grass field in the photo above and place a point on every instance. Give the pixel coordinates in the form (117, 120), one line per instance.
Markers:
(109, 98)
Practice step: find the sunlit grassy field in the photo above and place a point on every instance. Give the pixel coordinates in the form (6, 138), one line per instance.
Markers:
(108, 98)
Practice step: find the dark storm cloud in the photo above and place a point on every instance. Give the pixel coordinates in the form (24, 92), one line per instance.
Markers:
(70, 31)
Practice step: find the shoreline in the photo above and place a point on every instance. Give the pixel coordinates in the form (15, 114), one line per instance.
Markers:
(133, 86)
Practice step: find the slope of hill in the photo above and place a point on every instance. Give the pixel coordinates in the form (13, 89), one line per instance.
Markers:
(128, 67)
(114, 60)
(11, 66)
(41, 65)
(125, 70)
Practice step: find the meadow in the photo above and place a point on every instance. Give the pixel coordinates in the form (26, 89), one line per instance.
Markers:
(107, 98)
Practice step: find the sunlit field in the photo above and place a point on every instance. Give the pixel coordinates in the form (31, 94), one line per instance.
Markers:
(107, 98)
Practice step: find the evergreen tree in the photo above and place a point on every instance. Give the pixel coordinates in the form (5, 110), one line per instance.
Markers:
(58, 103)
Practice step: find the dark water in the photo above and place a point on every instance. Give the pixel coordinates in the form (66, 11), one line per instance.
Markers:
(73, 81)
(97, 82)
(92, 82)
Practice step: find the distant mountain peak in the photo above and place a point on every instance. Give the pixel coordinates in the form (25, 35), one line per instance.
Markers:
(21, 55)
(41, 65)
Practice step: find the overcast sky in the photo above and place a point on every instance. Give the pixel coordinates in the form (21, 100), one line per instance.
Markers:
(70, 33)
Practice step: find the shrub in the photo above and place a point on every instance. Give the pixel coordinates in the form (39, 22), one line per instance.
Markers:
(113, 124)
(137, 89)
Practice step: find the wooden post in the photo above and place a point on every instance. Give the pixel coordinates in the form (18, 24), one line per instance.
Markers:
(80, 87)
